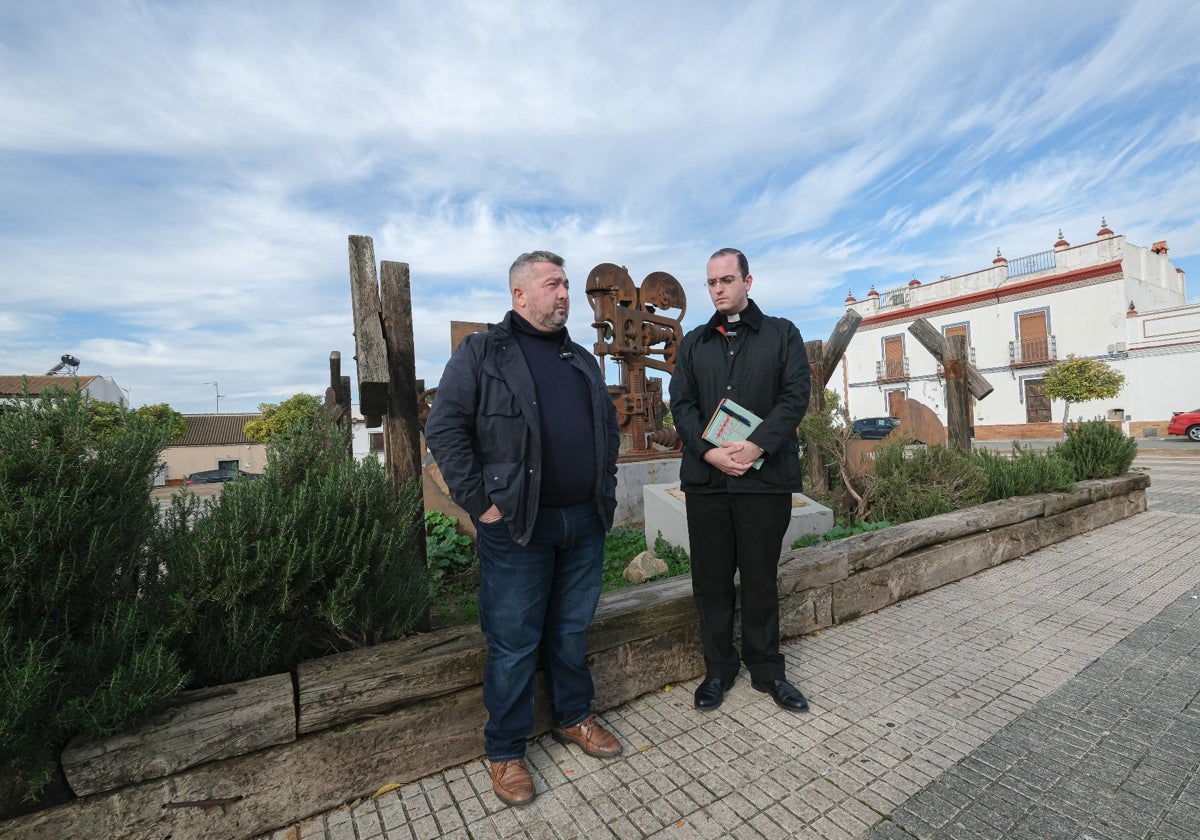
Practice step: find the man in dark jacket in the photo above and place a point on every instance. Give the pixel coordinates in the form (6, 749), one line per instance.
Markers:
(525, 435)
(738, 510)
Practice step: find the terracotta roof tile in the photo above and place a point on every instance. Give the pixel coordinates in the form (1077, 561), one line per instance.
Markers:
(215, 429)
(13, 386)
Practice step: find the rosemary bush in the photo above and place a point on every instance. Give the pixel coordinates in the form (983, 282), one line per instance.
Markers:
(83, 646)
(322, 554)
(1025, 473)
(1096, 449)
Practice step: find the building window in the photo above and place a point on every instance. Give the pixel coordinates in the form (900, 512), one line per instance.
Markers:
(375, 441)
(1033, 337)
(894, 365)
(1037, 404)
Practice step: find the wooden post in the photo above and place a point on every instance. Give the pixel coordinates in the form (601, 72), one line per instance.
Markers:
(402, 431)
(370, 351)
(823, 358)
(958, 421)
(401, 428)
(339, 389)
(817, 479)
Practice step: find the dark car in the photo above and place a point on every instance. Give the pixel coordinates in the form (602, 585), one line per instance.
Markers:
(874, 428)
(222, 474)
(1186, 423)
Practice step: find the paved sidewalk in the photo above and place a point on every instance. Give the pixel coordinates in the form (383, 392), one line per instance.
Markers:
(1048, 697)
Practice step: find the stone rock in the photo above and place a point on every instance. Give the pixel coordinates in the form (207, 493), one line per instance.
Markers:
(643, 567)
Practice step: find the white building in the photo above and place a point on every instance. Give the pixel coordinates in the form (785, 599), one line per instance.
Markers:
(1107, 299)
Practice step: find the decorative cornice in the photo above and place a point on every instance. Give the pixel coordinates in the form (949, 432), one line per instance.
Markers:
(988, 296)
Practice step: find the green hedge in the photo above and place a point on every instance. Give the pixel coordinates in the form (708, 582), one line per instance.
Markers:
(108, 607)
(83, 637)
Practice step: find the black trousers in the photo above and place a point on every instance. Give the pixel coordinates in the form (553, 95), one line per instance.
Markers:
(738, 532)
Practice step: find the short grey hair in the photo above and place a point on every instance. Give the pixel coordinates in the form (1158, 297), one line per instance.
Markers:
(525, 260)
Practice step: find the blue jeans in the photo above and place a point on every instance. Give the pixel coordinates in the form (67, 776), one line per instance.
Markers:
(541, 595)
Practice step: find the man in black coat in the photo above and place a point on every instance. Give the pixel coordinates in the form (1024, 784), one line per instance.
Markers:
(525, 435)
(738, 509)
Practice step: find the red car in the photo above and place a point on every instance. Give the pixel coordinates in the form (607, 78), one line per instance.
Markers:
(1186, 423)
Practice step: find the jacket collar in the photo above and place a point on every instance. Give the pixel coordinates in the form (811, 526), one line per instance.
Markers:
(507, 329)
(751, 316)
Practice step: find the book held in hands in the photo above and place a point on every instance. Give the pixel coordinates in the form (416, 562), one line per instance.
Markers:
(731, 423)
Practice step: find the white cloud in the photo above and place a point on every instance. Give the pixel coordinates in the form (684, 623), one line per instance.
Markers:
(180, 179)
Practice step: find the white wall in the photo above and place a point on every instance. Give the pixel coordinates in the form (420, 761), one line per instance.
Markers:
(1086, 320)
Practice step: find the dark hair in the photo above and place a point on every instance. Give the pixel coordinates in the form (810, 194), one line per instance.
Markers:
(743, 263)
(525, 260)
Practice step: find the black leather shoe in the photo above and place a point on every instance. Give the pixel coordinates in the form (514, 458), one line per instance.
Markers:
(710, 693)
(785, 695)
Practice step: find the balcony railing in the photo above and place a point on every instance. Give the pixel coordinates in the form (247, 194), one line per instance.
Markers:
(889, 369)
(1042, 261)
(1037, 351)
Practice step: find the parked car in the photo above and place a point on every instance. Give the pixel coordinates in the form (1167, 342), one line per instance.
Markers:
(874, 428)
(1186, 423)
(222, 474)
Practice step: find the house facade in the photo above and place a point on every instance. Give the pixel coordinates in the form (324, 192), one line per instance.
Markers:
(214, 441)
(1107, 299)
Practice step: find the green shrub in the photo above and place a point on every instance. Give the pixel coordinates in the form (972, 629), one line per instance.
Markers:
(322, 554)
(1025, 473)
(1096, 449)
(924, 482)
(83, 649)
(447, 551)
(839, 531)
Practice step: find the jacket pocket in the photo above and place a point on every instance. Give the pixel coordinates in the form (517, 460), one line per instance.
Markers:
(496, 399)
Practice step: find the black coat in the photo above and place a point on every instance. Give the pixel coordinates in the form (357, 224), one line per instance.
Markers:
(484, 430)
(767, 373)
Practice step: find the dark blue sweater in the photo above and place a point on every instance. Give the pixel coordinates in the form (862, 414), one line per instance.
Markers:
(564, 407)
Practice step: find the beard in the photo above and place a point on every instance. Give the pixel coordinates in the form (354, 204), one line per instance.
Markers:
(552, 319)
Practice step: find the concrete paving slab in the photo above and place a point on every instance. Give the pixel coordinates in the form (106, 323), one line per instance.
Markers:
(1052, 696)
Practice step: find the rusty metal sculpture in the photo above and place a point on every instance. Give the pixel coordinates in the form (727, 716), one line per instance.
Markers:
(631, 327)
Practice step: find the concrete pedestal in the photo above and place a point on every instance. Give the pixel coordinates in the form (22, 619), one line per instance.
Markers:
(632, 476)
(664, 511)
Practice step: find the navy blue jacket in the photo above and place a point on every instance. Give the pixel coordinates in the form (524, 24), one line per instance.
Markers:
(484, 430)
(767, 373)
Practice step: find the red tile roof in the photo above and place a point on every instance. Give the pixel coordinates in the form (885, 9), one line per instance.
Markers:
(14, 386)
(216, 429)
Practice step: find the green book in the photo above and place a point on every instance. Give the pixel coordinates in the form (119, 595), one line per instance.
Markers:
(732, 423)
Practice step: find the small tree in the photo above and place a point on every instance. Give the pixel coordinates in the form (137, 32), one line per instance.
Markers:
(296, 411)
(164, 415)
(1079, 380)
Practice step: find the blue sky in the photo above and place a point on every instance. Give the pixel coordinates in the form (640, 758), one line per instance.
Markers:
(178, 180)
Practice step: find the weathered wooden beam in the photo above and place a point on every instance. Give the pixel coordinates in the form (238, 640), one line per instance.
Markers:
(838, 341)
(196, 727)
(402, 430)
(936, 343)
(818, 482)
(377, 679)
(958, 398)
(370, 351)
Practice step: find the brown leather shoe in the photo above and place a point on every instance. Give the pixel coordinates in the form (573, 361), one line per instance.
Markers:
(591, 737)
(511, 782)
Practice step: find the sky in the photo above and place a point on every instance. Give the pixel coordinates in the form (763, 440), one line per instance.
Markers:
(178, 180)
